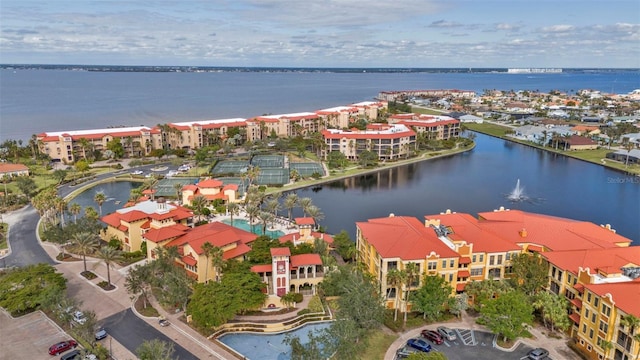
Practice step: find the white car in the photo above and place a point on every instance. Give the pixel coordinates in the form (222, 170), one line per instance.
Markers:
(79, 317)
(137, 172)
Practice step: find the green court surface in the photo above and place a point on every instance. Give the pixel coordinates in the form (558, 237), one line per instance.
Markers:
(307, 169)
(230, 167)
(167, 187)
(268, 161)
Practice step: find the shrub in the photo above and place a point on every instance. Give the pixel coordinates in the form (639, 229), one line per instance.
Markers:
(297, 297)
(115, 243)
(89, 275)
(315, 304)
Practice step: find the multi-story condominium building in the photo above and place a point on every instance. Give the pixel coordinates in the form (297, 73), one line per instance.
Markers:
(435, 127)
(69, 146)
(284, 125)
(145, 219)
(589, 264)
(211, 190)
(197, 134)
(405, 94)
(370, 109)
(338, 117)
(602, 286)
(286, 273)
(388, 141)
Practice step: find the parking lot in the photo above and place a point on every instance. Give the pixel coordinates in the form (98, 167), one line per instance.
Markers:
(33, 332)
(478, 345)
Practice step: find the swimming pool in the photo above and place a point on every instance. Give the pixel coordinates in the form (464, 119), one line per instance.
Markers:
(268, 346)
(257, 229)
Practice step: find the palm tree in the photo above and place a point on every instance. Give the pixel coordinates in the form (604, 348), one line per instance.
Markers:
(84, 144)
(199, 203)
(252, 211)
(178, 188)
(233, 209)
(85, 243)
(412, 271)
(61, 207)
(606, 348)
(265, 218)
(108, 255)
(290, 202)
(396, 278)
(632, 322)
(315, 213)
(305, 203)
(273, 205)
(75, 210)
(214, 256)
(628, 145)
(100, 198)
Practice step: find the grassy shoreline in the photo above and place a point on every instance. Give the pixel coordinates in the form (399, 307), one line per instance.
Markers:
(597, 156)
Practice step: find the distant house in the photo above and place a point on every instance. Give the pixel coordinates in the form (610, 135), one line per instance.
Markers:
(590, 119)
(471, 119)
(633, 156)
(576, 142)
(210, 189)
(632, 138)
(13, 170)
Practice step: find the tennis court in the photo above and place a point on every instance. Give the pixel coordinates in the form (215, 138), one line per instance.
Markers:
(268, 161)
(230, 167)
(307, 169)
(167, 187)
(271, 176)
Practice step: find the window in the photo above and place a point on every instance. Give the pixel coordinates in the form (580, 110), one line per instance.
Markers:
(499, 262)
(452, 263)
(450, 277)
(593, 317)
(586, 313)
(481, 257)
(444, 264)
(588, 297)
(392, 265)
(604, 326)
(590, 333)
(508, 256)
(476, 272)
(473, 258)
(606, 310)
(596, 302)
(584, 328)
(492, 260)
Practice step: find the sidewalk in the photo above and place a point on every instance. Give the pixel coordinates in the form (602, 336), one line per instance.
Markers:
(558, 348)
(184, 335)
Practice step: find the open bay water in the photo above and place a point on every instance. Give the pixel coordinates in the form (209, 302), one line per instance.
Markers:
(33, 101)
(39, 100)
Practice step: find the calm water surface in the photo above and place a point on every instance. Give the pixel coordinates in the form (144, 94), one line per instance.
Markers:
(479, 181)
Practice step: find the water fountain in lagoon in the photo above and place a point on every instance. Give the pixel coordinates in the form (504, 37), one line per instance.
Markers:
(517, 194)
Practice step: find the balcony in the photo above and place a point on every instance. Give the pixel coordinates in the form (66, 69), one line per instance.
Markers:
(307, 276)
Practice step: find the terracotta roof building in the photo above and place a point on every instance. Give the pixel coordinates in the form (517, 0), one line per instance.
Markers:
(12, 170)
(388, 141)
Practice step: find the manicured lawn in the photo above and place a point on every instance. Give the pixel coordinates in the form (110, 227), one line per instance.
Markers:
(488, 128)
(378, 343)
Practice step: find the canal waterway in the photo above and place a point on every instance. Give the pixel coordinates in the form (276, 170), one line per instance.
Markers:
(480, 180)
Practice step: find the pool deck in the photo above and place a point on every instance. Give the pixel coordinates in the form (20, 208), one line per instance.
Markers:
(281, 224)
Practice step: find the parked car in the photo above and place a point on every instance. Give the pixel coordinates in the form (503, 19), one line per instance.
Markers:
(163, 322)
(100, 334)
(419, 344)
(447, 334)
(433, 336)
(404, 352)
(73, 355)
(62, 346)
(538, 354)
(79, 317)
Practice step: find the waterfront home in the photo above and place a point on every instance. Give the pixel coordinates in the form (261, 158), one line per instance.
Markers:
(436, 127)
(130, 224)
(633, 138)
(467, 118)
(576, 142)
(624, 156)
(283, 125)
(533, 133)
(13, 170)
(338, 117)
(387, 141)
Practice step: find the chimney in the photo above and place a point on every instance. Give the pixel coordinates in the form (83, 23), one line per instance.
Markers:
(523, 233)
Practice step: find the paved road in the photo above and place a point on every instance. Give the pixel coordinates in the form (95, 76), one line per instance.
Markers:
(25, 247)
(131, 331)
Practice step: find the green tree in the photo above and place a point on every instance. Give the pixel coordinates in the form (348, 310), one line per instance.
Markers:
(85, 243)
(432, 297)
(260, 250)
(485, 290)
(214, 257)
(290, 202)
(344, 245)
(530, 273)
(75, 210)
(313, 349)
(138, 280)
(26, 289)
(109, 256)
(27, 185)
(116, 148)
(508, 315)
(336, 159)
(396, 278)
(59, 175)
(412, 272)
(99, 199)
(368, 159)
(553, 308)
(155, 350)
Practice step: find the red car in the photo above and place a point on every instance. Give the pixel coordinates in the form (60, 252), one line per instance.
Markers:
(62, 346)
(433, 336)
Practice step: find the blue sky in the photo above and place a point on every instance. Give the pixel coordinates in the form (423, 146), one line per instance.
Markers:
(323, 33)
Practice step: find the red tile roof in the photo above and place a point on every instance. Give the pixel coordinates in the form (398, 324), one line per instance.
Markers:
(281, 251)
(464, 260)
(625, 295)
(554, 233)
(10, 168)
(575, 317)
(239, 250)
(403, 237)
(305, 259)
(210, 183)
(463, 273)
(305, 221)
(609, 260)
(218, 234)
(460, 286)
(165, 233)
(535, 248)
(262, 268)
(189, 260)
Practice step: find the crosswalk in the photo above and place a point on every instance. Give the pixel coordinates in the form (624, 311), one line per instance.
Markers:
(467, 337)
